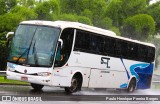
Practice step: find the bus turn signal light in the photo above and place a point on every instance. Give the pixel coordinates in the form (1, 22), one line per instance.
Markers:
(21, 59)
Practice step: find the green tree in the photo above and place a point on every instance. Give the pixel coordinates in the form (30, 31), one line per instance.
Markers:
(85, 20)
(69, 6)
(75, 18)
(93, 9)
(119, 10)
(154, 11)
(26, 13)
(10, 4)
(114, 11)
(3, 8)
(9, 22)
(116, 30)
(27, 3)
(68, 17)
(105, 23)
(132, 7)
(139, 26)
(47, 8)
(87, 13)
(98, 8)
(3, 51)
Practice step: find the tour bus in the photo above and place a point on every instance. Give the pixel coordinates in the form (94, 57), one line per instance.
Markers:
(73, 55)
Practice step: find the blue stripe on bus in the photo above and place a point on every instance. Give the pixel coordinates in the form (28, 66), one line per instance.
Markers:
(124, 85)
(125, 68)
(143, 73)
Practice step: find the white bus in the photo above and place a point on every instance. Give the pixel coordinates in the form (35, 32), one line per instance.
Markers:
(72, 55)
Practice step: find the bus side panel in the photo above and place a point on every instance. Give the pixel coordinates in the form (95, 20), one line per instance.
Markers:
(106, 72)
(112, 79)
(62, 76)
(111, 72)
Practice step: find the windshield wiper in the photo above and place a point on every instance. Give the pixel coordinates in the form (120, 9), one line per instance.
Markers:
(35, 54)
(22, 55)
(27, 50)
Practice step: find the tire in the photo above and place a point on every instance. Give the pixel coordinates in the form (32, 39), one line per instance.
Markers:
(75, 86)
(132, 86)
(37, 87)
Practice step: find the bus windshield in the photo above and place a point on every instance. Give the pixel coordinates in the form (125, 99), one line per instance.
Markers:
(34, 45)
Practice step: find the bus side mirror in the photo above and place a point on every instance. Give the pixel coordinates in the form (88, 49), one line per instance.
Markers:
(9, 36)
(60, 41)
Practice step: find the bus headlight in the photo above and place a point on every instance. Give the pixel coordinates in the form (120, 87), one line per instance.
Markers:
(44, 74)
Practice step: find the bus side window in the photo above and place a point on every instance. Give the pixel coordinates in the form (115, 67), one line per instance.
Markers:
(124, 50)
(82, 41)
(118, 49)
(65, 51)
(94, 44)
(110, 46)
(141, 53)
(151, 54)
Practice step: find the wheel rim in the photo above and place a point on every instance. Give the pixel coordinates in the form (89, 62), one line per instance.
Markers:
(74, 85)
(131, 87)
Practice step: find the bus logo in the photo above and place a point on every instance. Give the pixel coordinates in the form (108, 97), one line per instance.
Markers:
(25, 71)
(105, 60)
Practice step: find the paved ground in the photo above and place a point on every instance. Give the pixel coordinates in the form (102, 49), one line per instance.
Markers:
(18, 93)
(89, 96)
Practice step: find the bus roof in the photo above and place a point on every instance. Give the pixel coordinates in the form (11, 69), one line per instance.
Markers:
(77, 25)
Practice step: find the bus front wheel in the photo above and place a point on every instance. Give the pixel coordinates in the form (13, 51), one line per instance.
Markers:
(37, 86)
(132, 85)
(75, 86)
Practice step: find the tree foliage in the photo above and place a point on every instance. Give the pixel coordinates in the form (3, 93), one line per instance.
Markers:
(75, 18)
(10, 4)
(3, 8)
(114, 11)
(27, 3)
(125, 17)
(139, 26)
(119, 10)
(24, 12)
(9, 22)
(46, 9)
(154, 11)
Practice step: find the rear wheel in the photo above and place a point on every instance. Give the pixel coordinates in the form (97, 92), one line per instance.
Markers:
(76, 84)
(37, 86)
(132, 85)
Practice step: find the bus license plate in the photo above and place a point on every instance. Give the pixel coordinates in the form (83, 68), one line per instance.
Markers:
(24, 78)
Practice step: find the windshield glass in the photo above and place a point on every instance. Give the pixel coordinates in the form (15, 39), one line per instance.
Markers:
(34, 45)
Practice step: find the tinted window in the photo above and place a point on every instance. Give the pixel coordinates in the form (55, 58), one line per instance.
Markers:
(82, 41)
(104, 45)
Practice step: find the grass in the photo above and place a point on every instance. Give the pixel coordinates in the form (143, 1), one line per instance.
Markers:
(3, 80)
